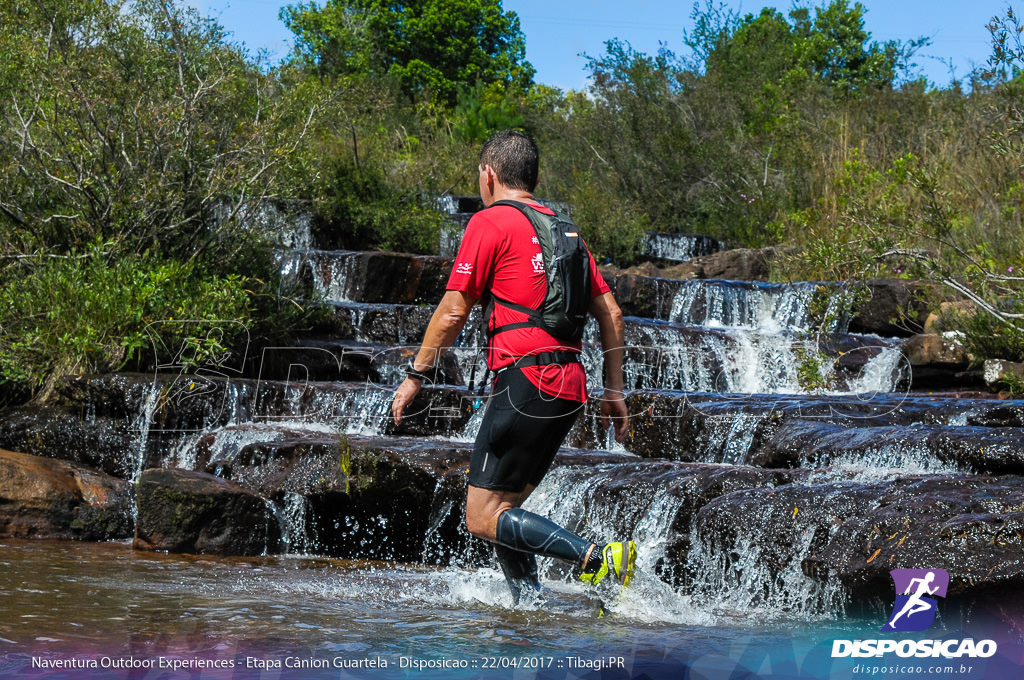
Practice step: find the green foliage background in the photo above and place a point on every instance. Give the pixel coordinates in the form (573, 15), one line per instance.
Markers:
(135, 137)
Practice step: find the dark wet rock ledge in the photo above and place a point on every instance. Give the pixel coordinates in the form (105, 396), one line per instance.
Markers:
(803, 502)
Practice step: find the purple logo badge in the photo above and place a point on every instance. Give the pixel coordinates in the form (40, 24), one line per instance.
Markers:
(916, 589)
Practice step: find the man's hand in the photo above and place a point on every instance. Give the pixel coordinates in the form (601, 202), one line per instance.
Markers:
(613, 412)
(404, 395)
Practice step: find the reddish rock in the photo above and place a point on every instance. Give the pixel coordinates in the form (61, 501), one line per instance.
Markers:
(939, 361)
(738, 264)
(930, 349)
(948, 316)
(45, 498)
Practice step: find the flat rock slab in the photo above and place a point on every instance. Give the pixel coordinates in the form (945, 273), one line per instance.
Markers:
(45, 498)
(926, 447)
(855, 532)
(973, 527)
(193, 512)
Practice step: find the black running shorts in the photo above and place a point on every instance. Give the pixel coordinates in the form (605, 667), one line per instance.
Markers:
(520, 434)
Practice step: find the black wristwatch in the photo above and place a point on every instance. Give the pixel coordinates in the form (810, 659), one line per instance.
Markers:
(411, 372)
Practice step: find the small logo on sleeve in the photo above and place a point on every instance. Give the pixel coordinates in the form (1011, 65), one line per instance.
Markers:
(465, 268)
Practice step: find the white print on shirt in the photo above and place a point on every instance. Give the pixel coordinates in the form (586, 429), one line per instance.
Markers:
(535, 241)
(538, 263)
(464, 268)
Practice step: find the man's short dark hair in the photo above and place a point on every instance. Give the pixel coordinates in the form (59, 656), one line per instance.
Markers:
(514, 157)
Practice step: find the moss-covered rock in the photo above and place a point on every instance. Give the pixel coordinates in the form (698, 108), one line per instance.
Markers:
(195, 512)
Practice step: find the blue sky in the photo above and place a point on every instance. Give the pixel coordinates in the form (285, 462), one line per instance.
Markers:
(558, 32)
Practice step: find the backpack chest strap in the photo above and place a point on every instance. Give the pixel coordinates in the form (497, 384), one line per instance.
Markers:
(532, 316)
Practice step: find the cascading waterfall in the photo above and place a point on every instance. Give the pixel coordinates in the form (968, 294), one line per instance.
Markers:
(886, 460)
(732, 304)
(753, 338)
(720, 337)
(731, 582)
(744, 580)
(679, 247)
(881, 374)
(739, 361)
(292, 517)
(736, 441)
(141, 425)
(333, 275)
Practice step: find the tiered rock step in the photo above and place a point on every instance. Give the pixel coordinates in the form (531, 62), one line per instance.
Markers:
(122, 424)
(721, 489)
(334, 485)
(660, 354)
(798, 319)
(401, 278)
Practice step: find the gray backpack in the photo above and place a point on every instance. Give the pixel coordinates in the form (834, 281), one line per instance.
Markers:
(563, 313)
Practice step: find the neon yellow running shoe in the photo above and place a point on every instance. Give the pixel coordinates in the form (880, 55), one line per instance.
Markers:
(619, 562)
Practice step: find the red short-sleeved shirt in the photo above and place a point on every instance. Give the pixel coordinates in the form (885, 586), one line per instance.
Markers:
(500, 253)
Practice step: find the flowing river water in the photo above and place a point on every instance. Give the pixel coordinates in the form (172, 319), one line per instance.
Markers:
(718, 381)
(102, 610)
(137, 614)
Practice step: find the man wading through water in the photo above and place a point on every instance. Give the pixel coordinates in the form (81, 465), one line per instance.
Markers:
(540, 385)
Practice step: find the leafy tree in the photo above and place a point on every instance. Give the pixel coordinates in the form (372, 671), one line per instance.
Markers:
(835, 48)
(427, 46)
(134, 124)
(481, 112)
(768, 52)
(134, 140)
(758, 51)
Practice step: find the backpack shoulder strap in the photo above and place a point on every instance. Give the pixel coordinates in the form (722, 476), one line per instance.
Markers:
(529, 211)
(546, 228)
(533, 314)
(510, 202)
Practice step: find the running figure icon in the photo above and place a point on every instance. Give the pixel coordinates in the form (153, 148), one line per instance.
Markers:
(914, 609)
(915, 604)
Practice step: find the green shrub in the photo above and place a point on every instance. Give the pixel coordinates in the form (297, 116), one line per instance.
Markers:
(361, 210)
(88, 312)
(987, 337)
(138, 135)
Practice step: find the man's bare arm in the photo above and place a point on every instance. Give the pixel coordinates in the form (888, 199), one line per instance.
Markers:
(612, 329)
(447, 322)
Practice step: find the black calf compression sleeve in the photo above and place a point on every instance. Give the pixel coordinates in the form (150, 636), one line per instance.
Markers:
(520, 570)
(528, 532)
